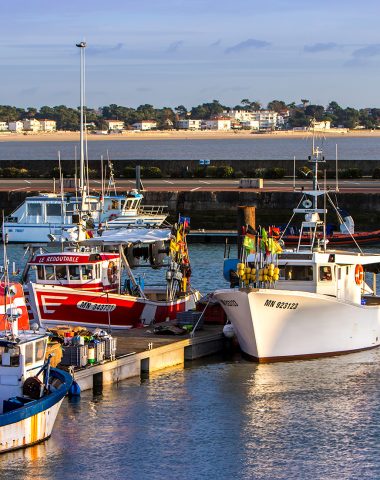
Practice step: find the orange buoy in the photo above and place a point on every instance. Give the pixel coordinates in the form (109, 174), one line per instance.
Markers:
(359, 274)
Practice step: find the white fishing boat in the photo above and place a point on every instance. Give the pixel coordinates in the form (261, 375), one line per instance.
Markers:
(54, 216)
(48, 216)
(310, 301)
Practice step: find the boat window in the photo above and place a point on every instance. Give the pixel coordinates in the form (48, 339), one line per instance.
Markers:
(28, 353)
(325, 274)
(97, 270)
(40, 272)
(49, 272)
(53, 209)
(9, 357)
(61, 272)
(34, 209)
(74, 272)
(70, 208)
(115, 204)
(40, 350)
(297, 272)
(87, 273)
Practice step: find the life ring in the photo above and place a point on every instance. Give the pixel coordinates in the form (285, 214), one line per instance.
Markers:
(307, 203)
(112, 272)
(359, 274)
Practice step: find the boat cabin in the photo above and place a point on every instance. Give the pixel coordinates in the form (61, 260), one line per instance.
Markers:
(328, 273)
(85, 270)
(20, 359)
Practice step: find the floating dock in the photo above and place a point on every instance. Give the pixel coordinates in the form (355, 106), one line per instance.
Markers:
(141, 352)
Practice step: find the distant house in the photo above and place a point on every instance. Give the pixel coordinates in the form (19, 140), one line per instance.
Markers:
(189, 124)
(48, 125)
(324, 125)
(114, 125)
(31, 125)
(218, 123)
(16, 126)
(3, 127)
(145, 125)
(266, 119)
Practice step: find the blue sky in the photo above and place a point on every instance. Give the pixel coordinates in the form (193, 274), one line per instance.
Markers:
(171, 52)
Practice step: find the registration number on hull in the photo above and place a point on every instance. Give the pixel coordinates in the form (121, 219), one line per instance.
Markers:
(284, 305)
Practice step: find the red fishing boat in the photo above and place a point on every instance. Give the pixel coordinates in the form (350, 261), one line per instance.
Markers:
(93, 284)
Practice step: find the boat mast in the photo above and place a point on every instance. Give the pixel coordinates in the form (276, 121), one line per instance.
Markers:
(82, 190)
(82, 186)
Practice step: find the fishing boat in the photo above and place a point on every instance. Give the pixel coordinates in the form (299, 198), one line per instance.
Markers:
(55, 216)
(51, 217)
(345, 237)
(93, 283)
(30, 391)
(305, 302)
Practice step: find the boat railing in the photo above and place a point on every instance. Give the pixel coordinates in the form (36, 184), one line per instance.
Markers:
(153, 209)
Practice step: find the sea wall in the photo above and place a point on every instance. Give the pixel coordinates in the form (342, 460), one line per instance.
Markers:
(179, 167)
(217, 210)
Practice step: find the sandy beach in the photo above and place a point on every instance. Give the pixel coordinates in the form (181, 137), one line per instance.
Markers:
(177, 135)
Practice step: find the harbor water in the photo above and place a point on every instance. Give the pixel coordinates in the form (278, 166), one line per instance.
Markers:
(258, 147)
(220, 418)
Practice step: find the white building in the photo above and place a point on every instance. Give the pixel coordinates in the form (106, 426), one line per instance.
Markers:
(240, 115)
(324, 125)
(48, 125)
(145, 125)
(3, 127)
(267, 119)
(218, 123)
(114, 125)
(189, 124)
(31, 125)
(16, 126)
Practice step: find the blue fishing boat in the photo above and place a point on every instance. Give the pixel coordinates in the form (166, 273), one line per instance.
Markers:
(30, 391)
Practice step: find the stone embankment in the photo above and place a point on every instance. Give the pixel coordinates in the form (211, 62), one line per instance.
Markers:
(217, 210)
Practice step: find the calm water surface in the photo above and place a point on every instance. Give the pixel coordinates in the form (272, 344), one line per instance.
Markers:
(224, 149)
(219, 419)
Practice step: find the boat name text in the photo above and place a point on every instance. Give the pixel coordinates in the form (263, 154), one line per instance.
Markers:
(96, 307)
(60, 259)
(285, 305)
(230, 303)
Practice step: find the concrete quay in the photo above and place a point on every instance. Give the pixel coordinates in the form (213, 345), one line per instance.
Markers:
(141, 352)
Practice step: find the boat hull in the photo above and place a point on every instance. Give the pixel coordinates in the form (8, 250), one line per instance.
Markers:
(59, 305)
(34, 422)
(280, 325)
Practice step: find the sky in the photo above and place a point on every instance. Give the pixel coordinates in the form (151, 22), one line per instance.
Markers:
(173, 52)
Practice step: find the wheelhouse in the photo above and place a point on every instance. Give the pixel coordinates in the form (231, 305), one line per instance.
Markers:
(90, 271)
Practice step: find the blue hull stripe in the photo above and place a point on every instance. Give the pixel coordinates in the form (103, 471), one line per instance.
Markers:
(36, 406)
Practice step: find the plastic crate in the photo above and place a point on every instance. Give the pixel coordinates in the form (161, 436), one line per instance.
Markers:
(110, 348)
(191, 317)
(99, 351)
(75, 355)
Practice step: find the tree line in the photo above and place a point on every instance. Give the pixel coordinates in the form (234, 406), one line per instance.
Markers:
(300, 115)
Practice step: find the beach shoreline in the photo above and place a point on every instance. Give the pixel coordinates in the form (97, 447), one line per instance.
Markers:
(62, 136)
